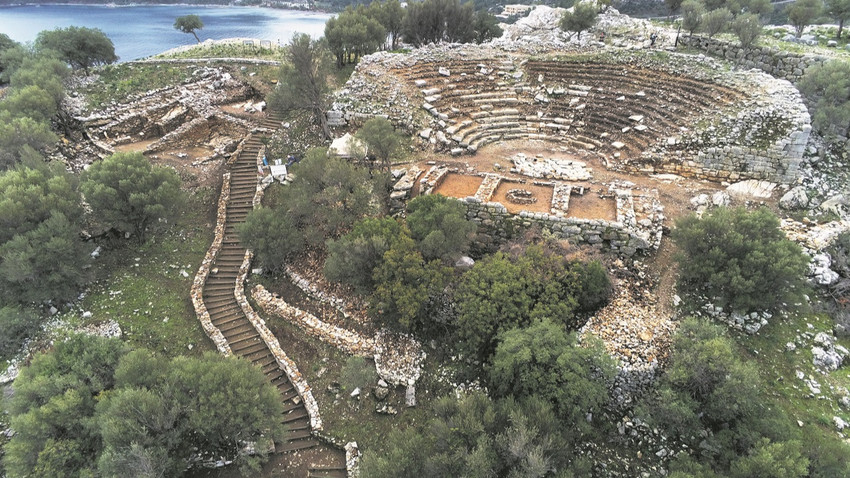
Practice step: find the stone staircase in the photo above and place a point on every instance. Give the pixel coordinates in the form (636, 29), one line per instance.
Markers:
(226, 313)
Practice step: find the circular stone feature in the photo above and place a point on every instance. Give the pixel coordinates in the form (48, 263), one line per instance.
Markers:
(521, 196)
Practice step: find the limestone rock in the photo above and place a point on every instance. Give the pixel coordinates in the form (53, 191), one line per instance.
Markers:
(795, 198)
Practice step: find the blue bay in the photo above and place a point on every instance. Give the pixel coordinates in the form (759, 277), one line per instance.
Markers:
(140, 31)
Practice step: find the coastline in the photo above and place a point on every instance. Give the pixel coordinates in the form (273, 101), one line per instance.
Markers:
(180, 4)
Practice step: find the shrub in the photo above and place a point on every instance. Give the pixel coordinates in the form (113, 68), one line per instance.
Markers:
(357, 372)
(740, 260)
(439, 226)
(17, 325)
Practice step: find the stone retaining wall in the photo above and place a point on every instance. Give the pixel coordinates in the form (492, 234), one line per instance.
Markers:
(498, 225)
(197, 292)
(283, 361)
(352, 459)
(771, 60)
(351, 342)
(316, 293)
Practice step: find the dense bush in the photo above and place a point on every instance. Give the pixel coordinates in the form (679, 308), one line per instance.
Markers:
(475, 436)
(129, 194)
(543, 360)
(710, 400)
(828, 86)
(352, 259)
(739, 260)
(41, 254)
(404, 285)
(90, 408)
(502, 292)
(18, 325)
(439, 226)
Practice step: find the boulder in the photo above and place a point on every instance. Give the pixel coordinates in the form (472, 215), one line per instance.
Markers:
(795, 198)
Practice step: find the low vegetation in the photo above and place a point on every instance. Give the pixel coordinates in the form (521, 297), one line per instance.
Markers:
(92, 405)
(739, 260)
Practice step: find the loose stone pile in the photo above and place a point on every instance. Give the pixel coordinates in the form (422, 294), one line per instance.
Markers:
(551, 168)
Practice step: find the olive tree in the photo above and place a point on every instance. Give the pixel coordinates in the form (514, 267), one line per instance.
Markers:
(41, 254)
(81, 47)
(127, 193)
(802, 13)
(582, 17)
(189, 24)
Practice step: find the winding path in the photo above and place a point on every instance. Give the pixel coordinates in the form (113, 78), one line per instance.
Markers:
(224, 310)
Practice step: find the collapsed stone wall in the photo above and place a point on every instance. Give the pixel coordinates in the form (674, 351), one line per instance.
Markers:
(771, 60)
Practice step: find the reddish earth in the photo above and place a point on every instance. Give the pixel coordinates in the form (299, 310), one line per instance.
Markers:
(543, 194)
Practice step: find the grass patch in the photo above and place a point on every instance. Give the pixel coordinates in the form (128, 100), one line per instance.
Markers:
(144, 288)
(227, 50)
(779, 368)
(344, 417)
(118, 82)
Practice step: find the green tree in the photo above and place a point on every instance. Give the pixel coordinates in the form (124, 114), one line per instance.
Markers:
(672, 7)
(476, 437)
(802, 13)
(44, 263)
(89, 406)
(42, 70)
(439, 226)
(18, 324)
(582, 17)
(5, 44)
(716, 21)
(41, 254)
(351, 35)
(354, 257)
(543, 360)
(502, 292)
(81, 47)
(828, 86)
(303, 81)
(840, 11)
(692, 14)
(328, 195)
(31, 100)
(738, 259)
(52, 407)
(391, 15)
(129, 194)
(175, 410)
(485, 27)
(189, 24)
(17, 133)
(271, 236)
(707, 387)
(404, 284)
(382, 140)
(434, 21)
(747, 27)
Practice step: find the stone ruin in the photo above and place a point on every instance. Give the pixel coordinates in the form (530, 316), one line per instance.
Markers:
(637, 111)
(192, 114)
(635, 224)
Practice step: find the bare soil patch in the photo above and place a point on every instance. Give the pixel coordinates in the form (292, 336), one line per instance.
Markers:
(134, 147)
(459, 185)
(543, 194)
(593, 204)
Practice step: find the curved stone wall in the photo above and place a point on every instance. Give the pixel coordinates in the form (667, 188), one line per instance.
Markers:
(197, 292)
